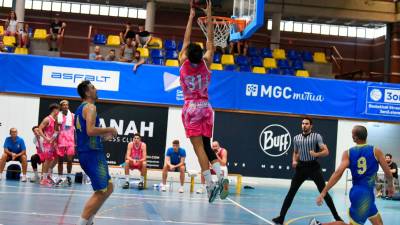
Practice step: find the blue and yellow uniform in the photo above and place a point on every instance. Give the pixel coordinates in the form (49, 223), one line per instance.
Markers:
(364, 166)
(91, 153)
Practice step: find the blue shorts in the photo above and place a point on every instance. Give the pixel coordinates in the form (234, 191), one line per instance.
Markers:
(362, 204)
(94, 164)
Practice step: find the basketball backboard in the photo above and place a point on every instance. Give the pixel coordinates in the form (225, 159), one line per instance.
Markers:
(250, 16)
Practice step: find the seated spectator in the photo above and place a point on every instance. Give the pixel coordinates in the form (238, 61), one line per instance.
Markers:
(23, 40)
(127, 51)
(128, 32)
(56, 34)
(11, 24)
(143, 38)
(14, 150)
(96, 55)
(174, 161)
(137, 60)
(239, 47)
(39, 157)
(110, 56)
(135, 159)
(2, 47)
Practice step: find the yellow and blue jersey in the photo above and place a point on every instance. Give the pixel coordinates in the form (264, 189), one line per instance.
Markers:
(84, 142)
(363, 167)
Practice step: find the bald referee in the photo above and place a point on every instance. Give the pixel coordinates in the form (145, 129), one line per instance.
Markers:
(308, 147)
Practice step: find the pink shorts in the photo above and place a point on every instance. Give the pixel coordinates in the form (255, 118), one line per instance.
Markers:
(135, 166)
(198, 119)
(49, 153)
(69, 151)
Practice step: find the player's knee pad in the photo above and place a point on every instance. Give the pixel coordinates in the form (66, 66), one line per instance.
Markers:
(207, 148)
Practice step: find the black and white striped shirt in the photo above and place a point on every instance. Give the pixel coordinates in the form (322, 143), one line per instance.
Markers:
(303, 144)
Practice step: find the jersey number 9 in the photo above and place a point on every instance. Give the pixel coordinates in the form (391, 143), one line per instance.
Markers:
(362, 165)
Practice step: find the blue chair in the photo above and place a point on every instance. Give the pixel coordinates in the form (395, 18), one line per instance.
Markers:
(283, 64)
(257, 61)
(170, 45)
(217, 57)
(171, 54)
(297, 65)
(288, 72)
(273, 72)
(158, 61)
(245, 68)
(253, 52)
(10, 49)
(307, 56)
(266, 53)
(156, 53)
(230, 68)
(99, 39)
(242, 60)
(293, 55)
(180, 45)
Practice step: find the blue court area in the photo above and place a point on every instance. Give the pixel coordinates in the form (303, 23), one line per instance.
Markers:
(26, 203)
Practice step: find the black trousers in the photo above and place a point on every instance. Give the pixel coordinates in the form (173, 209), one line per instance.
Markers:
(35, 160)
(304, 171)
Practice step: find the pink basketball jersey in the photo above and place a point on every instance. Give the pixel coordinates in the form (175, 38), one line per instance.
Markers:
(194, 80)
(49, 130)
(66, 135)
(136, 152)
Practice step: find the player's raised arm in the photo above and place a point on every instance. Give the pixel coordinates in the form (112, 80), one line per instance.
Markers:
(188, 33)
(208, 56)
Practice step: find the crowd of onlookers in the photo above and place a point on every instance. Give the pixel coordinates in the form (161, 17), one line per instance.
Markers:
(23, 33)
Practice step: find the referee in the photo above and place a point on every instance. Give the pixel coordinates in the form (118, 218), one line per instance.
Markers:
(308, 147)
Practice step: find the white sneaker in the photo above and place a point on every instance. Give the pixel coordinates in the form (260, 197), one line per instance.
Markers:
(200, 190)
(314, 222)
(212, 192)
(180, 190)
(23, 178)
(163, 188)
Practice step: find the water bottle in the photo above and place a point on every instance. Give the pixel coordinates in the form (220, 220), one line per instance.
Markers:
(156, 187)
(171, 186)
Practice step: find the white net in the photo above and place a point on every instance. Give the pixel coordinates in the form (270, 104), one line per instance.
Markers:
(222, 28)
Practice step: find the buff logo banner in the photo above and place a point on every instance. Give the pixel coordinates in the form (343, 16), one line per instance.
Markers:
(149, 122)
(262, 146)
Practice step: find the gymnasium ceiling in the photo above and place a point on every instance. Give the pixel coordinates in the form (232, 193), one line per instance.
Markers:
(368, 13)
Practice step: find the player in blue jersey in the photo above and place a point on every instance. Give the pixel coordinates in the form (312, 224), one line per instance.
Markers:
(90, 150)
(363, 160)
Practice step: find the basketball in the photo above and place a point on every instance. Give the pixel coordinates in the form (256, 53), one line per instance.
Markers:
(199, 3)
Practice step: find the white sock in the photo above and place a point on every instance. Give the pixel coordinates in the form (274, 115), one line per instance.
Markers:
(217, 168)
(127, 178)
(207, 177)
(90, 220)
(36, 173)
(82, 221)
(142, 178)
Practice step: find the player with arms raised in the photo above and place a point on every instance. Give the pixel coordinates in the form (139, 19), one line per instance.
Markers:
(197, 114)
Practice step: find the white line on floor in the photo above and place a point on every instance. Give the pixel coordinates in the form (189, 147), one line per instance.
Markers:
(251, 212)
(106, 217)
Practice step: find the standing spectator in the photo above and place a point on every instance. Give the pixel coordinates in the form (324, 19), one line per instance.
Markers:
(56, 34)
(11, 24)
(137, 60)
(23, 40)
(110, 56)
(14, 150)
(174, 161)
(392, 165)
(239, 47)
(128, 32)
(127, 51)
(143, 38)
(96, 55)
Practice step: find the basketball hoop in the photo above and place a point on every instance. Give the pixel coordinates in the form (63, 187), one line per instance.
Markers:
(222, 28)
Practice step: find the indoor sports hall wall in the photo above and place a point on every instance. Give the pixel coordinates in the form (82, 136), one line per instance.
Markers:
(244, 135)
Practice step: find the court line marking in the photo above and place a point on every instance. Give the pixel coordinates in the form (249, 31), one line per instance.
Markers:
(107, 217)
(153, 198)
(251, 212)
(305, 217)
(61, 221)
